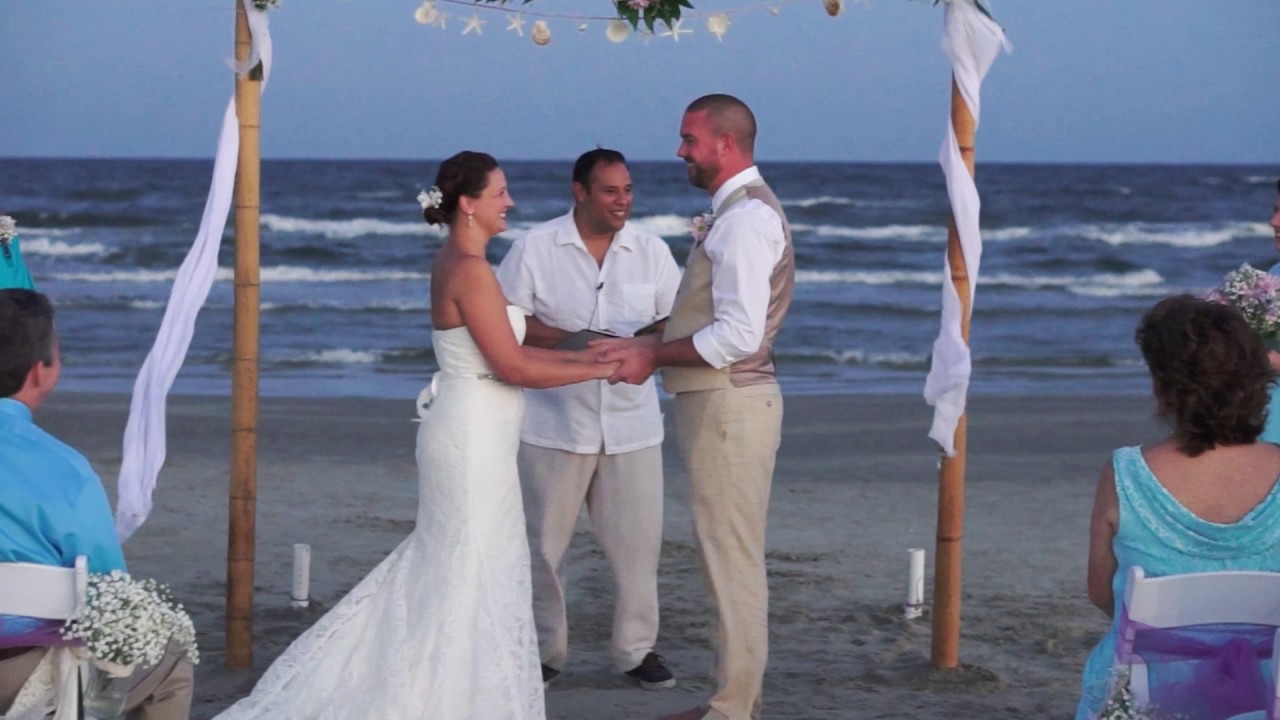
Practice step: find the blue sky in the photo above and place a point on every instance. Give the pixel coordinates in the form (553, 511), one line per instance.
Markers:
(1088, 81)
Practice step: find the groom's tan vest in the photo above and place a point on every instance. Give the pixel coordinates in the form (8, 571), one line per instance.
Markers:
(693, 309)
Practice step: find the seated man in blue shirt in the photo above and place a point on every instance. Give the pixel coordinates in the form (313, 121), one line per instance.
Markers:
(53, 507)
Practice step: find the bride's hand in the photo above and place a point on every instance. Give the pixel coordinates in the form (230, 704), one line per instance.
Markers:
(607, 369)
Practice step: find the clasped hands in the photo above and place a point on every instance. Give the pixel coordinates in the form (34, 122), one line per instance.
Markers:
(637, 357)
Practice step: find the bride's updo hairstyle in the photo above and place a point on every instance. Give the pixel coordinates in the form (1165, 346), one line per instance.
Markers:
(466, 173)
(1209, 372)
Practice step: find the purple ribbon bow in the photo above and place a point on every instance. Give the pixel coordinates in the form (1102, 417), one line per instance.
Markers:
(1203, 671)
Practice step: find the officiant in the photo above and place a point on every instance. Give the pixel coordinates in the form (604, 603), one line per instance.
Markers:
(593, 443)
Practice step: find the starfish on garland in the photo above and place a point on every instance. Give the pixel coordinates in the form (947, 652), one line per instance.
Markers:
(473, 23)
(674, 31)
(516, 22)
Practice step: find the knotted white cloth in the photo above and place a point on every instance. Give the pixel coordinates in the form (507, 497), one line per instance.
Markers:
(972, 41)
(144, 434)
(52, 688)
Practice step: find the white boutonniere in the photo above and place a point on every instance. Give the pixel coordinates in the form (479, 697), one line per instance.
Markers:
(700, 226)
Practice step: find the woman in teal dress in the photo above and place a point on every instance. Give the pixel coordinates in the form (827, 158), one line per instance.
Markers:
(1271, 433)
(1206, 497)
(13, 272)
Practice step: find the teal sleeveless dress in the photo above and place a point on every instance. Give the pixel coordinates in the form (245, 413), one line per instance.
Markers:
(1159, 534)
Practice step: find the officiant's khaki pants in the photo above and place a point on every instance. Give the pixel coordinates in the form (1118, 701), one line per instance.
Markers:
(162, 692)
(623, 497)
(729, 439)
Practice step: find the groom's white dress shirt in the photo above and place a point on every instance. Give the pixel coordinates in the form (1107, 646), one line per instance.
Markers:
(745, 243)
(550, 274)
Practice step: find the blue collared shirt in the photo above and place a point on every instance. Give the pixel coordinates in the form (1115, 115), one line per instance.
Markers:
(52, 504)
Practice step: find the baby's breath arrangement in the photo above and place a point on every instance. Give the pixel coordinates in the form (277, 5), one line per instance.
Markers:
(130, 622)
(1121, 705)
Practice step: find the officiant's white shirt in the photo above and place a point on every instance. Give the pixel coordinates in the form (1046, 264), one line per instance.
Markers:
(745, 243)
(550, 273)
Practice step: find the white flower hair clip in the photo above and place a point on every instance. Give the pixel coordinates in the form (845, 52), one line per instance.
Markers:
(8, 228)
(430, 198)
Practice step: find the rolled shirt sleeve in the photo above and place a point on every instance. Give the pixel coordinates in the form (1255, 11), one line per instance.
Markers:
(744, 247)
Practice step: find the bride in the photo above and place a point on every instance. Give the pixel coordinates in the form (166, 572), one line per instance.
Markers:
(442, 629)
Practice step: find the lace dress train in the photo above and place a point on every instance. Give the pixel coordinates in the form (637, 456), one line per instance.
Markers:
(442, 629)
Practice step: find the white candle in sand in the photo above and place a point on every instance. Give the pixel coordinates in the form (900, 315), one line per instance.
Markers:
(301, 575)
(914, 607)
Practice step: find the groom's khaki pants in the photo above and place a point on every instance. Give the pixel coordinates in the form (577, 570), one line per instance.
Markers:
(623, 496)
(729, 439)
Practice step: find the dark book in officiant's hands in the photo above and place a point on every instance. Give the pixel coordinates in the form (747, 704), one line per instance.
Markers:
(581, 339)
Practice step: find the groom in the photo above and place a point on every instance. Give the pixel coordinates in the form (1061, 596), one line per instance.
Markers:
(717, 351)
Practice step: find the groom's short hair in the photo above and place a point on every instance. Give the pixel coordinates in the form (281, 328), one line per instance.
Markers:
(26, 337)
(590, 160)
(728, 116)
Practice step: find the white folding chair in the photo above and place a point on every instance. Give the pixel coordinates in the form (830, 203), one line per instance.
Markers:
(1200, 599)
(46, 592)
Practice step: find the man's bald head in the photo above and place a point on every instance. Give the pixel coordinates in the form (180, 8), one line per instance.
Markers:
(728, 116)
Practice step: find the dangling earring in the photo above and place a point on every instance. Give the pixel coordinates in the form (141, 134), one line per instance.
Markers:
(469, 219)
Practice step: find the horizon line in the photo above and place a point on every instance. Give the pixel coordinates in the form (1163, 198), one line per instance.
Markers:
(633, 160)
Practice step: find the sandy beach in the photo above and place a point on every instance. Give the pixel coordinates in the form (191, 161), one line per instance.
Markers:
(855, 488)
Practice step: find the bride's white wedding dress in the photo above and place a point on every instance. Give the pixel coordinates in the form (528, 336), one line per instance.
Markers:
(442, 629)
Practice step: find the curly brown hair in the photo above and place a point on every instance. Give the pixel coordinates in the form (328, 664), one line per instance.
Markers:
(1210, 372)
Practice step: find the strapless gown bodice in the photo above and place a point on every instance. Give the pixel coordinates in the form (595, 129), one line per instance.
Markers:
(456, 351)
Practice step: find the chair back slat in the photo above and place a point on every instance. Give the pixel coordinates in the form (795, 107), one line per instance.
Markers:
(41, 591)
(1251, 598)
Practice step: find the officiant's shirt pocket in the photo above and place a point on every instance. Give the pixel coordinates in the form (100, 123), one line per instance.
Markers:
(638, 300)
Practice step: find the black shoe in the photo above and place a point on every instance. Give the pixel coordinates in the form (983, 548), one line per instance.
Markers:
(548, 674)
(652, 673)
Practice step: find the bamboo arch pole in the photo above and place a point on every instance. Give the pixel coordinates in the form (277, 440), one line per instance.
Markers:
(946, 568)
(244, 371)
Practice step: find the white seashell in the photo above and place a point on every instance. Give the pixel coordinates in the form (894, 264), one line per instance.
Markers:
(833, 6)
(426, 14)
(617, 31)
(582, 27)
(718, 25)
(541, 33)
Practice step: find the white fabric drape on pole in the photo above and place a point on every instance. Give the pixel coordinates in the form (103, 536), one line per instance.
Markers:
(972, 41)
(144, 434)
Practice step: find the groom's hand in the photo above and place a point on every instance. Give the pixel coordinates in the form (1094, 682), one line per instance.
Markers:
(637, 358)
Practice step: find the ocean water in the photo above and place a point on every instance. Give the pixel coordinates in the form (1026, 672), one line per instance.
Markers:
(1073, 255)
